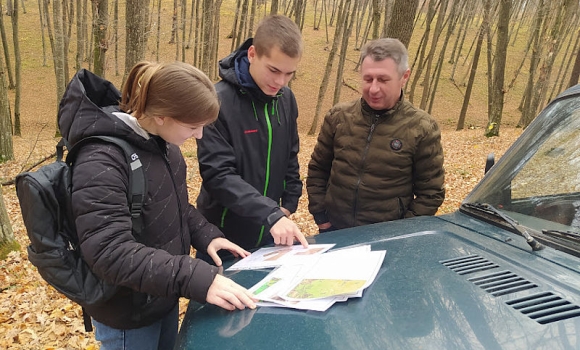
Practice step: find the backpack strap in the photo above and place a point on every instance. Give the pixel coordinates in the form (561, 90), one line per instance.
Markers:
(137, 182)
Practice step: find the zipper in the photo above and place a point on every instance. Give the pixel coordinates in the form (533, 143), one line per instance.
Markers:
(268, 158)
(361, 169)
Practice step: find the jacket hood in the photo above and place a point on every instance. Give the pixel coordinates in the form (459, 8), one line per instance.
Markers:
(86, 109)
(227, 64)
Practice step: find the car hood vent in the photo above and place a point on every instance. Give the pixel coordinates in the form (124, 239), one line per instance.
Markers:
(501, 283)
(545, 308)
(469, 264)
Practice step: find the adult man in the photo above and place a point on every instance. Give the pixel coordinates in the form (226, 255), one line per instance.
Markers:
(248, 158)
(377, 158)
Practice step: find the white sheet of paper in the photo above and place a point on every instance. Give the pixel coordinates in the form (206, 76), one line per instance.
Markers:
(276, 256)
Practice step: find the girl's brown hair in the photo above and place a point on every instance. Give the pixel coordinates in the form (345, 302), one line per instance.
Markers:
(177, 90)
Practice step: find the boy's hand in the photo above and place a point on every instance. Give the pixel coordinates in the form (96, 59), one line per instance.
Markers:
(285, 230)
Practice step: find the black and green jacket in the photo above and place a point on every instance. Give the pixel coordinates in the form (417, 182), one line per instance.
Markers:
(248, 158)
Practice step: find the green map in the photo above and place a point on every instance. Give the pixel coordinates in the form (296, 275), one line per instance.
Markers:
(322, 288)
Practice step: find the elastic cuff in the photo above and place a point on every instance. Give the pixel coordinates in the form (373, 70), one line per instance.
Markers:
(273, 218)
(320, 218)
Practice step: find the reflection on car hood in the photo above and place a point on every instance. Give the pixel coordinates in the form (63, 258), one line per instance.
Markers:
(452, 288)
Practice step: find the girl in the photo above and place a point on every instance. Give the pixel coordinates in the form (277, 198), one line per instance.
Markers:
(161, 106)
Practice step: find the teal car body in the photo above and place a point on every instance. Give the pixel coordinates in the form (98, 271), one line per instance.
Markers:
(502, 272)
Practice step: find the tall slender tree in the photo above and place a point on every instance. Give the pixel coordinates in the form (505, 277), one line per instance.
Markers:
(17, 69)
(100, 26)
(498, 89)
(137, 23)
(58, 55)
(6, 147)
(7, 240)
(401, 22)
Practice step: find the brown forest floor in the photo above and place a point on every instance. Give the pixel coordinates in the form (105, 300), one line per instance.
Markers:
(35, 316)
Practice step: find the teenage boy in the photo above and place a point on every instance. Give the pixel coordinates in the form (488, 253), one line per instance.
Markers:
(248, 159)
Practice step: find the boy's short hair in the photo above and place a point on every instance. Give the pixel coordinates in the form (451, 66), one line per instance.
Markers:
(278, 31)
(380, 49)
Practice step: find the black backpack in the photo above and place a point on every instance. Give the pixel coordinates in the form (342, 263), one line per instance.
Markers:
(45, 202)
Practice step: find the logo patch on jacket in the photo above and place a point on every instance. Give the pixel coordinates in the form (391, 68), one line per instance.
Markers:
(396, 145)
(251, 131)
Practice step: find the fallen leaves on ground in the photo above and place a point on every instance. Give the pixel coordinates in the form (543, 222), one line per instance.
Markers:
(35, 316)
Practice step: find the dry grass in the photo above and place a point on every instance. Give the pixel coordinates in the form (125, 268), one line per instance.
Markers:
(33, 315)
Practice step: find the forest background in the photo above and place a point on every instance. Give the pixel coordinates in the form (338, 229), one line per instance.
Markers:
(477, 66)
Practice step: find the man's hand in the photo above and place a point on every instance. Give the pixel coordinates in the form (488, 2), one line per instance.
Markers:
(229, 295)
(325, 226)
(222, 243)
(285, 230)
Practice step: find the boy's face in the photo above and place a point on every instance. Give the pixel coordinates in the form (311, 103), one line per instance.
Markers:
(272, 72)
(381, 82)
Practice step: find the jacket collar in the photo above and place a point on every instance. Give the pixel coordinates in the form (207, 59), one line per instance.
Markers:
(383, 113)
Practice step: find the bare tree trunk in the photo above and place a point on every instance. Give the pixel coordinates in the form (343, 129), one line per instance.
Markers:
(6, 147)
(198, 27)
(401, 24)
(100, 24)
(563, 71)
(174, 23)
(6, 51)
(42, 33)
(137, 19)
(473, 71)
(215, 40)
(183, 27)
(462, 32)
(253, 9)
(17, 69)
(453, 19)
(344, 46)
(422, 48)
(116, 34)
(86, 37)
(67, 22)
(158, 38)
(376, 18)
(80, 39)
(498, 91)
(527, 114)
(431, 56)
(328, 67)
(575, 74)
(58, 55)
(6, 233)
(274, 7)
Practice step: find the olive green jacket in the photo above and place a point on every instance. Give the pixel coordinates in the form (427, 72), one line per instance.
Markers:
(370, 166)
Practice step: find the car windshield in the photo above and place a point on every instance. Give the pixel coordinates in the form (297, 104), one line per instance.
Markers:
(537, 182)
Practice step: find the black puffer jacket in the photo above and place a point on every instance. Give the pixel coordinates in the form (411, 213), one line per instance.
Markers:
(154, 272)
(248, 158)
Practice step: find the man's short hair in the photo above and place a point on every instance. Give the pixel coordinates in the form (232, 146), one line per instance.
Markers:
(380, 49)
(278, 31)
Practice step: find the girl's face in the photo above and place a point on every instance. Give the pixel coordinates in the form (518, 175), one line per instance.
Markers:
(176, 132)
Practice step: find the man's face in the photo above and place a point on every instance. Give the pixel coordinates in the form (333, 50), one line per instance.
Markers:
(272, 72)
(382, 83)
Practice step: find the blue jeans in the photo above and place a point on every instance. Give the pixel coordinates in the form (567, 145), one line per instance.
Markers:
(160, 335)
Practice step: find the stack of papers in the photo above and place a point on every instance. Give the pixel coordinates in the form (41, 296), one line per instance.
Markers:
(312, 278)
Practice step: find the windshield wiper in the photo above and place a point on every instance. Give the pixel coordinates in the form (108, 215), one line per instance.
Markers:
(567, 235)
(490, 209)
